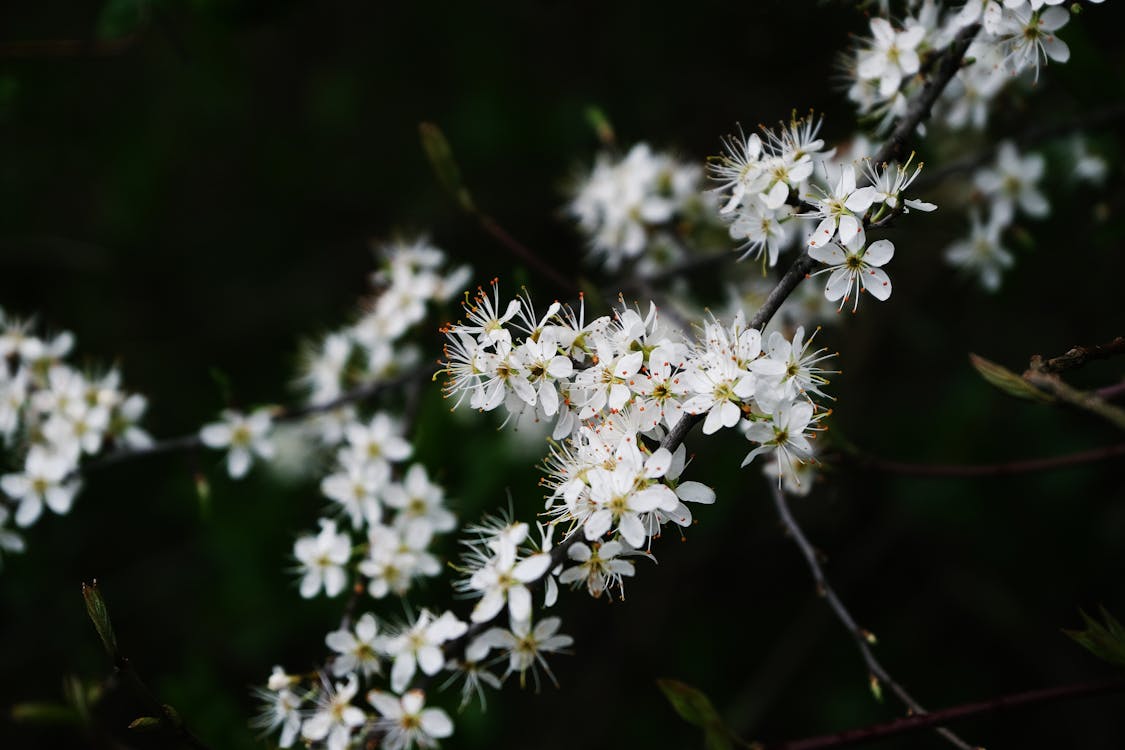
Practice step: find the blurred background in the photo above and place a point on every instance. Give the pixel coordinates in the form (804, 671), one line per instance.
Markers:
(201, 191)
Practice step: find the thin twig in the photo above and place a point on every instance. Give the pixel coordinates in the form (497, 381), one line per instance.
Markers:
(919, 108)
(521, 251)
(1080, 355)
(1031, 137)
(1110, 392)
(862, 638)
(282, 415)
(1024, 466)
(923, 721)
(1051, 383)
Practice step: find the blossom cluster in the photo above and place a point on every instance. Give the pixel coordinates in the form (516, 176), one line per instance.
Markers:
(1014, 37)
(1004, 189)
(766, 183)
(626, 205)
(618, 378)
(370, 351)
(52, 417)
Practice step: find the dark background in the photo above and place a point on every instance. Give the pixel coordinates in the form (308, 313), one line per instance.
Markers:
(207, 197)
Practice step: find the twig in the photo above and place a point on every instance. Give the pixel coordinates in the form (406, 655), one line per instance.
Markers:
(862, 638)
(521, 251)
(62, 48)
(1110, 392)
(123, 668)
(1079, 355)
(1031, 137)
(283, 415)
(1024, 466)
(919, 109)
(914, 723)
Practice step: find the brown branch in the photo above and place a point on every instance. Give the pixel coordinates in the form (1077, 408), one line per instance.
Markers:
(968, 710)
(1078, 356)
(1031, 137)
(1024, 466)
(1110, 392)
(282, 415)
(1084, 400)
(68, 48)
(524, 253)
(919, 109)
(863, 639)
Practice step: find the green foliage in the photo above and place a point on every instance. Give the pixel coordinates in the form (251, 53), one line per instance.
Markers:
(1007, 381)
(440, 155)
(696, 708)
(1105, 640)
(99, 615)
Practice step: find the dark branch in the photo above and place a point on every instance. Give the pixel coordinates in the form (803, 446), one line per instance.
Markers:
(919, 109)
(1024, 466)
(1079, 356)
(968, 710)
(862, 638)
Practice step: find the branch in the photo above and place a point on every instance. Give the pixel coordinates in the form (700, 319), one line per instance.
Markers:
(159, 713)
(1079, 355)
(283, 415)
(1024, 466)
(919, 109)
(1031, 137)
(914, 723)
(862, 637)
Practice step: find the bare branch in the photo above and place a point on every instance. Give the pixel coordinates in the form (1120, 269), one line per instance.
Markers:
(862, 638)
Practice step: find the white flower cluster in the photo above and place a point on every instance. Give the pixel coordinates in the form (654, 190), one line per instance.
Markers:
(1011, 183)
(52, 416)
(323, 713)
(764, 182)
(381, 507)
(1015, 37)
(364, 354)
(760, 178)
(1008, 187)
(625, 201)
(619, 380)
(397, 519)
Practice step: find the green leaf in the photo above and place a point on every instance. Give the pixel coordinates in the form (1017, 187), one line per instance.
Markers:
(440, 154)
(145, 724)
(1008, 381)
(1105, 640)
(99, 615)
(601, 125)
(51, 714)
(695, 708)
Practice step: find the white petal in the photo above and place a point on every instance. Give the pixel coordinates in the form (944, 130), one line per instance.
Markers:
(695, 492)
(876, 281)
(878, 253)
(436, 723)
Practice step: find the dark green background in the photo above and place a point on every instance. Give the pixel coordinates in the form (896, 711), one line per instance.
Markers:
(207, 198)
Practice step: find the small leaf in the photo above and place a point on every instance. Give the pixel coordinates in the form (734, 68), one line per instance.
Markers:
(601, 125)
(440, 154)
(203, 492)
(876, 687)
(96, 609)
(1105, 640)
(43, 714)
(696, 708)
(145, 724)
(1008, 381)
